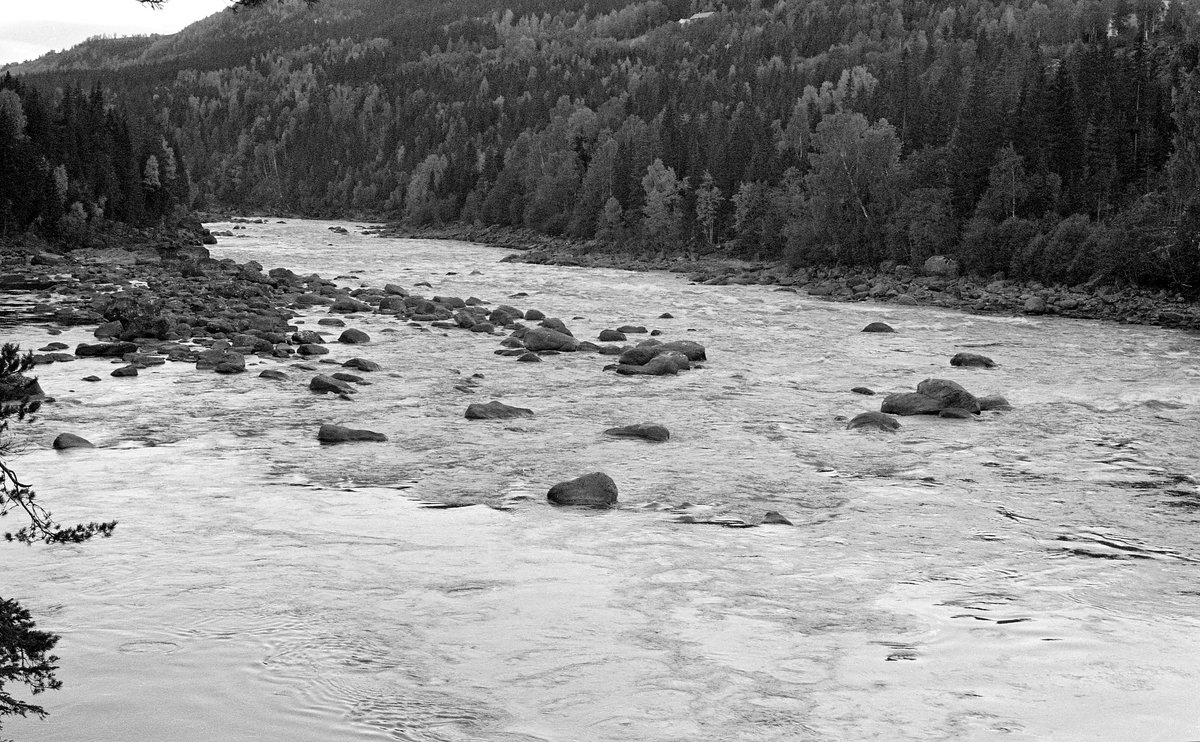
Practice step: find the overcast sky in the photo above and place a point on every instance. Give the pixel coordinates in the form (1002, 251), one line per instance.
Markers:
(30, 28)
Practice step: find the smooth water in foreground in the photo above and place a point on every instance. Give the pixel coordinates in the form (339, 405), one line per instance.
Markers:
(1028, 575)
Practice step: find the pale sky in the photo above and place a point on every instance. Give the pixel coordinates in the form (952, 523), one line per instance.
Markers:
(30, 28)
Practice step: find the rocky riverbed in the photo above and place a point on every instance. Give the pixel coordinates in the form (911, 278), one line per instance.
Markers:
(369, 562)
(173, 302)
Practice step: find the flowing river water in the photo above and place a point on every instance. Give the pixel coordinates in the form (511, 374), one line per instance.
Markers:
(1027, 575)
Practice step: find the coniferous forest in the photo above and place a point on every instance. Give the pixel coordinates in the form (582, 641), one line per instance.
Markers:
(70, 163)
(1056, 140)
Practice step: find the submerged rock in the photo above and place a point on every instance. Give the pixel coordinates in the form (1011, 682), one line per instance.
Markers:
(330, 433)
(878, 327)
(775, 518)
(362, 364)
(648, 431)
(495, 411)
(972, 359)
(994, 402)
(955, 413)
(874, 421)
(596, 490)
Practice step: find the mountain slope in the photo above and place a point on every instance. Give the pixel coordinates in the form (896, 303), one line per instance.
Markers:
(1049, 142)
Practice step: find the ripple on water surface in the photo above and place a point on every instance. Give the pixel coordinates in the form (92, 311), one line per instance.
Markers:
(1028, 574)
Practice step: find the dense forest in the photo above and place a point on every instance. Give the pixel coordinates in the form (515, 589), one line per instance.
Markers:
(70, 164)
(1053, 140)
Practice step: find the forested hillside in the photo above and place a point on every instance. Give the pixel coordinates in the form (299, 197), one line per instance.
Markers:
(70, 164)
(1054, 141)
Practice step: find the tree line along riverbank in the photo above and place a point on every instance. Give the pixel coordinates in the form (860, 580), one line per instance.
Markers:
(1053, 143)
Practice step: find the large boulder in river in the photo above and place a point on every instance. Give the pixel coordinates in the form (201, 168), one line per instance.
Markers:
(330, 433)
(347, 305)
(354, 336)
(322, 383)
(544, 338)
(596, 490)
(932, 396)
(949, 394)
(648, 431)
(496, 411)
(663, 364)
(910, 403)
(306, 337)
(643, 353)
(223, 361)
(104, 350)
(230, 362)
(70, 440)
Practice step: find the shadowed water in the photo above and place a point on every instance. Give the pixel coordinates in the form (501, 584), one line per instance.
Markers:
(1028, 575)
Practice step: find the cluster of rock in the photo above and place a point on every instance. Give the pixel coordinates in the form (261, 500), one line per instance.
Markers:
(177, 304)
(941, 397)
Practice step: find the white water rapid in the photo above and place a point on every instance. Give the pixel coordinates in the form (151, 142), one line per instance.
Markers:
(1027, 575)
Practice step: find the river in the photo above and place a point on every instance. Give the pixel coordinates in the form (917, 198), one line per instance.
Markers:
(1026, 575)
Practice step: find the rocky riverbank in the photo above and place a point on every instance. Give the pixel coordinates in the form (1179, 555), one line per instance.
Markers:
(936, 283)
